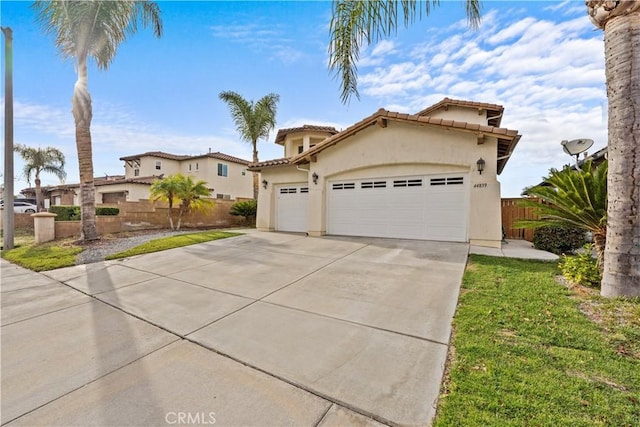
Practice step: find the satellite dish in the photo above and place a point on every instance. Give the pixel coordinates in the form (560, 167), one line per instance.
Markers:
(576, 146)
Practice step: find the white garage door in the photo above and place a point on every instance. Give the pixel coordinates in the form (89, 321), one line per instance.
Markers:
(418, 207)
(291, 207)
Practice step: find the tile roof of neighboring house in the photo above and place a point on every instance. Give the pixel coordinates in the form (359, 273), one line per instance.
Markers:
(101, 181)
(179, 157)
(507, 139)
(269, 163)
(282, 133)
(493, 120)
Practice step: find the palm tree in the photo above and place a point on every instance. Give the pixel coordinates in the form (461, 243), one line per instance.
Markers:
(253, 121)
(92, 29)
(182, 190)
(620, 21)
(573, 198)
(38, 160)
(356, 22)
(191, 195)
(166, 190)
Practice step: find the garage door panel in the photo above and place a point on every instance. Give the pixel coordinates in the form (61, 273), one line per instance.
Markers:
(291, 207)
(428, 208)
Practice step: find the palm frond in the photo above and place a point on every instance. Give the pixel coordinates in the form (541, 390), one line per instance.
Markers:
(355, 22)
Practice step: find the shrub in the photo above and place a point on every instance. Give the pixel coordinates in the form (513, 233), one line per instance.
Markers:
(66, 213)
(582, 269)
(245, 208)
(107, 211)
(559, 240)
(72, 213)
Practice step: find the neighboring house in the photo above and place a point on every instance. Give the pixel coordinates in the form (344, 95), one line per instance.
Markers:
(430, 176)
(109, 189)
(226, 175)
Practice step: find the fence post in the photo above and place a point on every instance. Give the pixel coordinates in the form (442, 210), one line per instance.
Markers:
(44, 226)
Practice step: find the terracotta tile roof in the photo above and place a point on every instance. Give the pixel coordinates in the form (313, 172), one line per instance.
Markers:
(494, 111)
(507, 139)
(159, 154)
(178, 157)
(101, 181)
(269, 163)
(282, 133)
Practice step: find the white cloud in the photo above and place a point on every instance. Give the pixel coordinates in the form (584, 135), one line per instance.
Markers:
(549, 75)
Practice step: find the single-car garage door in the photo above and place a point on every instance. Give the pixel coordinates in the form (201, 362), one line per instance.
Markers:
(291, 207)
(430, 207)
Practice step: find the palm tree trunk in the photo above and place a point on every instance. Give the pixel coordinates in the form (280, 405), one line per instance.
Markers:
(256, 184)
(39, 203)
(82, 114)
(621, 275)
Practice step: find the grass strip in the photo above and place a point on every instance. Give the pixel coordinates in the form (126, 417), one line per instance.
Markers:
(43, 257)
(524, 353)
(171, 242)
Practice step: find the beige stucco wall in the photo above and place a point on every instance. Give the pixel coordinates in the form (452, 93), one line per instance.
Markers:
(266, 217)
(135, 191)
(234, 184)
(306, 139)
(400, 149)
(462, 114)
(148, 167)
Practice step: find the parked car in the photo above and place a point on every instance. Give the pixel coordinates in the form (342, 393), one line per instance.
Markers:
(20, 206)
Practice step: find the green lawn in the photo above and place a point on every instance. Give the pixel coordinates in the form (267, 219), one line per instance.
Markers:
(165, 243)
(58, 254)
(525, 353)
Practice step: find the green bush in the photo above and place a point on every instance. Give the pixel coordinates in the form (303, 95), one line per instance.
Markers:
(559, 240)
(582, 269)
(66, 213)
(107, 211)
(72, 213)
(245, 208)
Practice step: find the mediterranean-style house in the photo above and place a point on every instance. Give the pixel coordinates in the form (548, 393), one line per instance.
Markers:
(430, 175)
(225, 175)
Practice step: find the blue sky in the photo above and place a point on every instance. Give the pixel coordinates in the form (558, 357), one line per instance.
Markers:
(544, 61)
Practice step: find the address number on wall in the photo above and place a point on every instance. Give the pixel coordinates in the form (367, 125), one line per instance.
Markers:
(480, 185)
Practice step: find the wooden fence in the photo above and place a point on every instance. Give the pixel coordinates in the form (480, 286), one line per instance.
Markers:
(513, 212)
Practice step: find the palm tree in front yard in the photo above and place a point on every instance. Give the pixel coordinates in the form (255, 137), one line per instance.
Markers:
(356, 22)
(84, 30)
(183, 191)
(38, 160)
(253, 121)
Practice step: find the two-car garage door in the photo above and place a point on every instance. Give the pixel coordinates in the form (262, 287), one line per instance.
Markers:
(419, 207)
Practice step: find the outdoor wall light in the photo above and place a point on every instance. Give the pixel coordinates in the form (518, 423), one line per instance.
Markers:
(480, 164)
(265, 183)
(315, 178)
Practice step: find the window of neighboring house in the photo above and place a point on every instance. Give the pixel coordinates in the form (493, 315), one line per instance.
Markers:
(158, 165)
(300, 149)
(136, 172)
(222, 169)
(244, 172)
(196, 165)
(189, 167)
(56, 200)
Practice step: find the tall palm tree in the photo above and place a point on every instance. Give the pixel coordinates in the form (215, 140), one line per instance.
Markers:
(356, 22)
(38, 160)
(92, 29)
(620, 21)
(253, 121)
(573, 198)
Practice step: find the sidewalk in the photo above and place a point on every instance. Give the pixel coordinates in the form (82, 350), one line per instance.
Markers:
(515, 249)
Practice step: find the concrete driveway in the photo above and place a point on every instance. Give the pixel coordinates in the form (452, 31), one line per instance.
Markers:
(261, 329)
